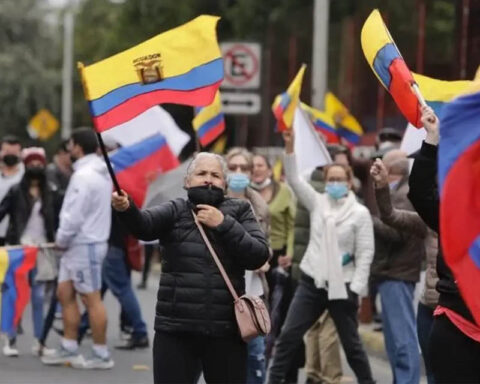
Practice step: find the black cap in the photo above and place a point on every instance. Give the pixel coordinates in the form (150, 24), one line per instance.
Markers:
(389, 134)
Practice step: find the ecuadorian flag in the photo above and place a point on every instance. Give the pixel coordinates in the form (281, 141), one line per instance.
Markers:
(182, 66)
(459, 176)
(209, 121)
(323, 123)
(15, 264)
(388, 65)
(346, 124)
(285, 104)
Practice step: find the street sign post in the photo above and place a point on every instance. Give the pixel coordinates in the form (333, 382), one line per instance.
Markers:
(242, 65)
(240, 103)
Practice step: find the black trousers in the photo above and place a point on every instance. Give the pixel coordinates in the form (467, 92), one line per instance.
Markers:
(181, 357)
(454, 357)
(307, 306)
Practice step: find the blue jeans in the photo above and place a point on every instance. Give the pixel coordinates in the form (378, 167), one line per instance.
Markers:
(256, 361)
(116, 275)
(400, 331)
(424, 328)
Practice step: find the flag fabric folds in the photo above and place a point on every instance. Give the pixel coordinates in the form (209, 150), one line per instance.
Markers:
(459, 175)
(209, 121)
(347, 125)
(182, 66)
(148, 145)
(285, 104)
(389, 66)
(322, 123)
(15, 264)
(439, 92)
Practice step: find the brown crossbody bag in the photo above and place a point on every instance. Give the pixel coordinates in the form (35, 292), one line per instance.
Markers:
(250, 311)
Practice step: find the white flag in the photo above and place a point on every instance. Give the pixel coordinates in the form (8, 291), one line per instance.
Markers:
(310, 151)
(412, 139)
(151, 122)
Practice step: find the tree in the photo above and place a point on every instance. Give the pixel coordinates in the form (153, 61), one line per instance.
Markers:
(28, 63)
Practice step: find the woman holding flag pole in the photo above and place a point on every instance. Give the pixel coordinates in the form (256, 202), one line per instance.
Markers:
(332, 278)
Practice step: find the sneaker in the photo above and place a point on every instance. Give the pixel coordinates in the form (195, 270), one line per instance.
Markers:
(97, 362)
(142, 285)
(134, 342)
(9, 349)
(40, 350)
(61, 356)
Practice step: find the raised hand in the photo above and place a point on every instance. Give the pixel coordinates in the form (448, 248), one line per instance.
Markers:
(431, 125)
(210, 216)
(120, 202)
(379, 173)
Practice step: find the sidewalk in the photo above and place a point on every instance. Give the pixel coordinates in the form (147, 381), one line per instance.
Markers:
(373, 340)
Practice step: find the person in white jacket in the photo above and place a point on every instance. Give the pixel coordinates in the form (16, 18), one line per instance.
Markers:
(85, 220)
(335, 267)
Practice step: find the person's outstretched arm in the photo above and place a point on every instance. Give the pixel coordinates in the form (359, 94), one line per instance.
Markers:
(423, 192)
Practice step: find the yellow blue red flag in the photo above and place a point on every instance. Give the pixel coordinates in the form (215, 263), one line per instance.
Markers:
(209, 121)
(458, 176)
(388, 65)
(182, 66)
(346, 124)
(285, 104)
(15, 264)
(322, 123)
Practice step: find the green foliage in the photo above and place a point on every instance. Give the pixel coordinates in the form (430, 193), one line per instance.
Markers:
(28, 63)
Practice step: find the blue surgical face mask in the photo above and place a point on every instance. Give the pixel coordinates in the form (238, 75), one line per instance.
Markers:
(336, 190)
(237, 182)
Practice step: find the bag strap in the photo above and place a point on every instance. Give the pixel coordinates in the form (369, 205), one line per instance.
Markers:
(215, 258)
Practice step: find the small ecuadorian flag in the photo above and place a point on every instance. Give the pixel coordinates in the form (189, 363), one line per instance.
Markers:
(323, 123)
(347, 125)
(285, 104)
(183, 66)
(209, 121)
(15, 264)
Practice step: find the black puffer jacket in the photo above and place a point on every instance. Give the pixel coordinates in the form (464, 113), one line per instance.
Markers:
(18, 204)
(425, 198)
(192, 296)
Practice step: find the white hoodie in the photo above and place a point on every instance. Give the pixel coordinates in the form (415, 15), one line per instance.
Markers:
(85, 216)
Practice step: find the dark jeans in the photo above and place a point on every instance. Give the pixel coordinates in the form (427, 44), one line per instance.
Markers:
(180, 357)
(424, 328)
(307, 306)
(50, 318)
(454, 357)
(116, 276)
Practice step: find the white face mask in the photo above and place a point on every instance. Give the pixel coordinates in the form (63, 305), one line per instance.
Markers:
(262, 185)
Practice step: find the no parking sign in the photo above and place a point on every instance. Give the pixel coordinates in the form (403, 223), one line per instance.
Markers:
(242, 65)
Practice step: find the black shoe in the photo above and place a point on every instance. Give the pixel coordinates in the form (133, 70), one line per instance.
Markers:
(142, 285)
(134, 342)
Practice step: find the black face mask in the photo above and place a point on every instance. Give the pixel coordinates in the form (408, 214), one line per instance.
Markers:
(206, 194)
(10, 160)
(37, 173)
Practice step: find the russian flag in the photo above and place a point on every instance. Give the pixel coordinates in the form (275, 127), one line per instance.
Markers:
(15, 264)
(148, 145)
(459, 180)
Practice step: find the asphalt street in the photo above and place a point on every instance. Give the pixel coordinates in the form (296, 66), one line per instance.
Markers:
(131, 367)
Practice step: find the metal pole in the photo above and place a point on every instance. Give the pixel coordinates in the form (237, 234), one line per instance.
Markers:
(464, 38)
(320, 52)
(67, 74)
(422, 11)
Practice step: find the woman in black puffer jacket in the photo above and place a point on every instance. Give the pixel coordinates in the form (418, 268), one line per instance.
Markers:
(195, 321)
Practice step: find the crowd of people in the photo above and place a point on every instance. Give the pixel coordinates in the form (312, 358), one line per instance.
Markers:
(311, 246)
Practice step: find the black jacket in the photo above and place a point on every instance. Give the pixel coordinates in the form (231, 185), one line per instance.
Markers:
(18, 204)
(192, 296)
(425, 198)
(398, 254)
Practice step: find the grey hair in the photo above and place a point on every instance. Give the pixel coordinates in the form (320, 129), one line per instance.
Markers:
(200, 155)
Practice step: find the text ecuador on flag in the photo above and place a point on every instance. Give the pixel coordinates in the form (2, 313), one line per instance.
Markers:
(180, 66)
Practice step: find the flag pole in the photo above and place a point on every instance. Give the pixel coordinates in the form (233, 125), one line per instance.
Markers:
(419, 95)
(81, 67)
(109, 165)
